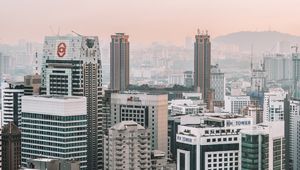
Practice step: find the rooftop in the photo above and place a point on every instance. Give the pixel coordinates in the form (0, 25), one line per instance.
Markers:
(125, 124)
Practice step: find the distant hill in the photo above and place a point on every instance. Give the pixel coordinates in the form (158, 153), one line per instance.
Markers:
(262, 41)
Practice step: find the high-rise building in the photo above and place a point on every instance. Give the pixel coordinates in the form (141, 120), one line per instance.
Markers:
(127, 146)
(11, 94)
(11, 147)
(294, 134)
(106, 108)
(296, 75)
(258, 80)
(278, 67)
(54, 127)
(4, 65)
(202, 62)
(263, 147)
(274, 105)
(1, 148)
(173, 122)
(119, 62)
(188, 78)
(217, 82)
(210, 141)
(292, 119)
(148, 110)
(72, 66)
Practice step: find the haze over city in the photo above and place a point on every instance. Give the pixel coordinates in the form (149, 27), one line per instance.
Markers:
(145, 21)
(150, 85)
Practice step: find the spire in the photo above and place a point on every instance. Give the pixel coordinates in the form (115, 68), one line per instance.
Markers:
(251, 64)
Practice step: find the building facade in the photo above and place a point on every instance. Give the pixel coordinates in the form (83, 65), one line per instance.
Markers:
(255, 112)
(4, 65)
(32, 84)
(127, 146)
(72, 66)
(11, 147)
(202, 62)
(235, 104)
(274, 105)
(53, 164)
(258, 80)
(148, 110)
(11, 94)
(188, 78)
(263, 147)
(278, 67)
(54, 127)
(184, 106)
(119, 62)
(211, 143)
(294, 134)
(218, 84)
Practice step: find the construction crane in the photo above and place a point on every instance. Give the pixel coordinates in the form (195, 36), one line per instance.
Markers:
(77, 33)
(296, 48)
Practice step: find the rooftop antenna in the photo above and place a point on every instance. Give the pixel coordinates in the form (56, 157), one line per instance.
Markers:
(58, 31)
(251, 64)
(198, 31)
(51, 29)
(77, 33)
(296, 48)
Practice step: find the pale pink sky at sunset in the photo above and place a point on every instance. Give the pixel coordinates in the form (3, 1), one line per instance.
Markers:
(144, 20)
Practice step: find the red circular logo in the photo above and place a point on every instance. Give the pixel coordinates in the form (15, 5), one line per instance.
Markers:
(61, 49)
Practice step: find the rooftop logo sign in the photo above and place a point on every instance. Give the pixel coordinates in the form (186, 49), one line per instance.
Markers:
(61, 49)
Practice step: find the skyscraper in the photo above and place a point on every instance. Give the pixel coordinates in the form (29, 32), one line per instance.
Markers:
(72, 66)
(202, 62)
(218, 84)
(54, 127)
(119, 62)
(4, 65)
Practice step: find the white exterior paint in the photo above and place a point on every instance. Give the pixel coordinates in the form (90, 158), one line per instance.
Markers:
(234, 104)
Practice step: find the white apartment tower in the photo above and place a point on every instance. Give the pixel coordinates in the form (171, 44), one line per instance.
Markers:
(274, 105)
(127, 146)
(54, 127)
(148, 110)
(72, 66)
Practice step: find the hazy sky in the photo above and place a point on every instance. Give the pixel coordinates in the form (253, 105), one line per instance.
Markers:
(144, 20)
